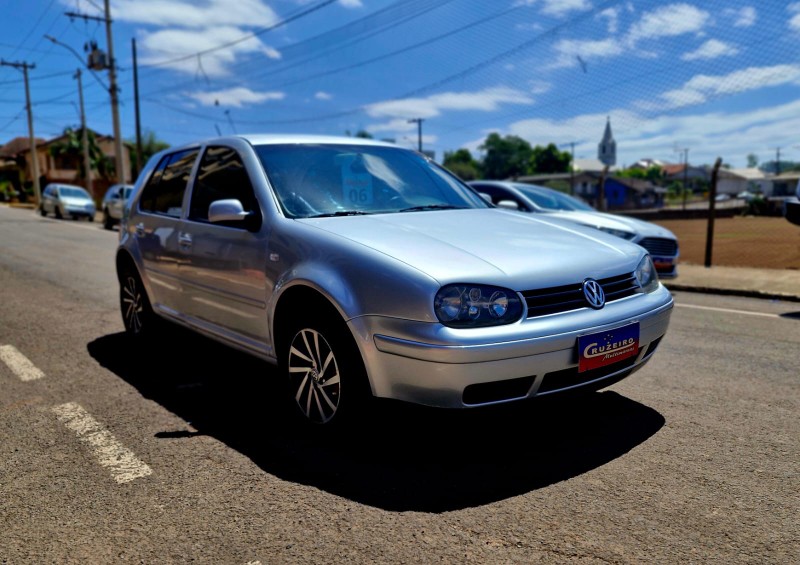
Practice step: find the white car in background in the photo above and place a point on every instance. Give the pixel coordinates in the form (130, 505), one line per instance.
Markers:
(791, 208)
(660, 242)
(113, 203)
(67, 200)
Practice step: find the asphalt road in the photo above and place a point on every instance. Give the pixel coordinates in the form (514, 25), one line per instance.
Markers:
(181, 452)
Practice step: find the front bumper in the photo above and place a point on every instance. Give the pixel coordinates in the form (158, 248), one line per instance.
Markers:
(429, 364)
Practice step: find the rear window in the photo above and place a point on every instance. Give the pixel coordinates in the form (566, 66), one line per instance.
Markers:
(167, 185)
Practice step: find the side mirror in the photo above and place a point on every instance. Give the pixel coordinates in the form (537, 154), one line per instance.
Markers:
(230, 210)
(510, 204)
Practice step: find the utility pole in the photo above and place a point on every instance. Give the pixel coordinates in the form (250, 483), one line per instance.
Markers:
(112, 88)
(572, 168)
(87, 162)
(136, 106)
(34, 157)
(418, 121)
(777, 160)
(685, 174)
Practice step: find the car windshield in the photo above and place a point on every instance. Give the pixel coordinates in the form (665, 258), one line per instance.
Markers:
(553, 199)
(315, 180)
(73, 192)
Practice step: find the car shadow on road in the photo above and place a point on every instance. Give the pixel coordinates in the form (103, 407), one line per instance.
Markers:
(405, 457)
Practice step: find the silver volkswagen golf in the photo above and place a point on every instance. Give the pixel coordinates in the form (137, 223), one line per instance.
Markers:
(364, 270)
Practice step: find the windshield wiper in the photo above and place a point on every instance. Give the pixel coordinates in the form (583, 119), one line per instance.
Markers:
(341, 213)
(432, 207)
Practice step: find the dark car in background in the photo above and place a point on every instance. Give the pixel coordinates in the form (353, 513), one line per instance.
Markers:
(660, 242)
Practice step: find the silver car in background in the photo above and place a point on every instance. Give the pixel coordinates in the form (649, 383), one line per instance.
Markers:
(364, 270)
(67, 200)
(660, 242)
(113, 203)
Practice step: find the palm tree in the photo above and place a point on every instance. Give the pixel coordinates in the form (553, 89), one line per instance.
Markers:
(71, 148)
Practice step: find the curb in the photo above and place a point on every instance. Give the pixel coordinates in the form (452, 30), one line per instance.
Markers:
(733, 292)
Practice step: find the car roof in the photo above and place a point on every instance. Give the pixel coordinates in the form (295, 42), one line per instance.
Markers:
(288, 139)
(62, 185)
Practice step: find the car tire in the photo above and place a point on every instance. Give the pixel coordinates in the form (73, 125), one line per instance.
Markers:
(58, 213)
(327, 382)
(91, 218)
(137, 313)
(42, 211)
(108, 222)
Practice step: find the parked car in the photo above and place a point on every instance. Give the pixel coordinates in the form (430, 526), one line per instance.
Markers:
(660, 242)
(67, 200)
(791, 208)
(113, 202)
(363, 269)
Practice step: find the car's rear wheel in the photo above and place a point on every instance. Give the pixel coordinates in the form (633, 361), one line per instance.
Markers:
(326, 376)
(137, 313)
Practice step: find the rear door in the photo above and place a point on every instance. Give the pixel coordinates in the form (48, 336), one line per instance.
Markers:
(157, 226)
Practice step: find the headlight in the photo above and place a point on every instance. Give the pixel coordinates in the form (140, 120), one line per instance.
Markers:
(472, 306)
(619, 233)
(646, 274)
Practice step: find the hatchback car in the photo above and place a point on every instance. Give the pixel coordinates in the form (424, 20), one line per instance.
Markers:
(660, 242)
(67, 200)
(113, 203)
(363, 270)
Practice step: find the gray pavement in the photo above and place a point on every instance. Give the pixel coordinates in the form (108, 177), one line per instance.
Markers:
(774, 284)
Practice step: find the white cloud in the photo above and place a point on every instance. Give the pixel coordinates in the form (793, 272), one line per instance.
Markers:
(485, 100)
(730, 135)
(568, 51)
(236, 97)
(351, 3)
(669, 21)
(194, 14)
(171, 44)
(745, 17)
(612, 15)
(322, 95)
(558, 8)
(711, 49)
(701, 88)
(794, 22)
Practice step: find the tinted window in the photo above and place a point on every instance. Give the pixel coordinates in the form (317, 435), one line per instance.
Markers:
(221, 176)
(164, 192)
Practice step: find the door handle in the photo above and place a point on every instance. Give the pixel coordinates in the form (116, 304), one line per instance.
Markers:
(139, 229)
(185, 240)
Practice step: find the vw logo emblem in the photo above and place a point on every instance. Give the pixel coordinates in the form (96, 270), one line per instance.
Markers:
(594, 294)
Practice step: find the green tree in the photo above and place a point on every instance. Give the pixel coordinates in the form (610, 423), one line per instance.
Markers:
(71, 148)
(462, 164)
(545, 160)
(653, 173)
(150, 146)
(506, 157)
(362, 133)
(752, 160)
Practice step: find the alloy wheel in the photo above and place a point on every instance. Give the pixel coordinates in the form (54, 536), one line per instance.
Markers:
(314, 375)
(132, 305)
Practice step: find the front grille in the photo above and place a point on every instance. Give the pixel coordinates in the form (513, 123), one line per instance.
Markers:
(567, 378)
(564, 298)
(660, 246)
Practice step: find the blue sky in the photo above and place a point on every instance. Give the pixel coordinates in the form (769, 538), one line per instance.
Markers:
(719, 77)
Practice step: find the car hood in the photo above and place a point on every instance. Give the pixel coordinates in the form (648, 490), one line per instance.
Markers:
(612, 221)
(77, 202)
(489, 246)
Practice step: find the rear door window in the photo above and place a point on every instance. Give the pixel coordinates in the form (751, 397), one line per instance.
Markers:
(164, 192)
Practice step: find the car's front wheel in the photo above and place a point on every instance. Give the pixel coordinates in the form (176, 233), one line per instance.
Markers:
(137, 313)
(327, 380)
(58, 213)
(108, 222)
(42, 211)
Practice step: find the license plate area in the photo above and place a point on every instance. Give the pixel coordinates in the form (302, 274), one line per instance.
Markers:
(607, 347)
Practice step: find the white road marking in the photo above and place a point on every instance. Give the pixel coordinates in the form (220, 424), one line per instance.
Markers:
(729, 310)
(124, 465)
(19, 364)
